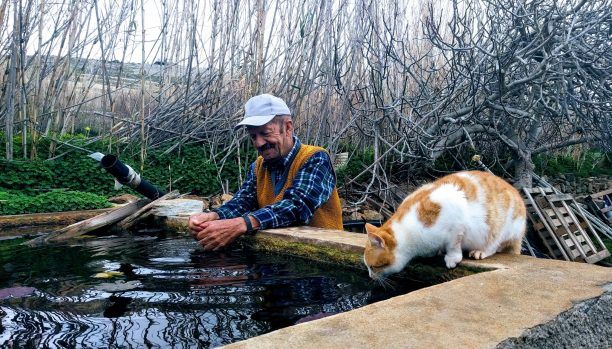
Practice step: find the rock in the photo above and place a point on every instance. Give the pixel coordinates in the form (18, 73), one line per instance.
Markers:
(177, 207)
(371, 215)
(354, 216)
(205, 201)
(215, 202)
(226, 197)
(346, 211)
(219, 200)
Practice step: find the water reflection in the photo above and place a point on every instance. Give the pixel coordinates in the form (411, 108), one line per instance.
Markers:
(169, 294)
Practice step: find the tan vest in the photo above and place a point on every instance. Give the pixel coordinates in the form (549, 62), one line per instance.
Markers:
(329, 215)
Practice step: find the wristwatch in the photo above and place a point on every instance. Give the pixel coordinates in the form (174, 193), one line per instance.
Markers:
(249, 225)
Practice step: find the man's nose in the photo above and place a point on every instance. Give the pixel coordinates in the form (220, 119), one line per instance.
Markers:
(258, 141)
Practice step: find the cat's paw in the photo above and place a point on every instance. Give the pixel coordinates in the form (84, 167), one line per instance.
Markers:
(451, 261)
(476, 254)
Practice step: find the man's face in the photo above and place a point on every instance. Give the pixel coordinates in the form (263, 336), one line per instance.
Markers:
(272, 140)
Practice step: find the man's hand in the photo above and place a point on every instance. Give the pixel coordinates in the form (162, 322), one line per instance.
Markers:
(196, 220)
(216, 234)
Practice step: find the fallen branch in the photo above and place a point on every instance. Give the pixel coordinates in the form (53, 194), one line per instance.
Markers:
(83, 227)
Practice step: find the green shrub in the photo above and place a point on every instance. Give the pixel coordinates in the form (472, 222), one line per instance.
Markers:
(26, 176)
(52, 201)
(358, 161)
(584, 164)
(189, 171)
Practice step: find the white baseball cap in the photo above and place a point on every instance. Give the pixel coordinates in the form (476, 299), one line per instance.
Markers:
(259, 110)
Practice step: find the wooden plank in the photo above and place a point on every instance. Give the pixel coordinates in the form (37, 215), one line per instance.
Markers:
(83, 227)
(563, 212)
(555, 250)
(597, 203)
(556, 222)
(575, 236)
(566, 227)
(583, 236)
(593, 259)
(42, 219)
(589, 228)
(558, 197)
(601, 193)
(548, 239)
(538, 190)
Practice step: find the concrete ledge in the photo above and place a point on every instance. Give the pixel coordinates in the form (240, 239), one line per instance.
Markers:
(476, 311)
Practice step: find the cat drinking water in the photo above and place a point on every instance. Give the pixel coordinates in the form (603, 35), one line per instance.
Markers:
(470, 211)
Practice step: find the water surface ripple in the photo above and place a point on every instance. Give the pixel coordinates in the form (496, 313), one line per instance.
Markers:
(168, 294)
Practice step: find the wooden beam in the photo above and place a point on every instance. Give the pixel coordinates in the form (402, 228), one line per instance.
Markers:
(83, 227)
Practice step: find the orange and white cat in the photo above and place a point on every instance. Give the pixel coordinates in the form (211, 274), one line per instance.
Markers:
(471, 210)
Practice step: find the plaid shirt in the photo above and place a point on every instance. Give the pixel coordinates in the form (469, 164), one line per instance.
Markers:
(312, 187)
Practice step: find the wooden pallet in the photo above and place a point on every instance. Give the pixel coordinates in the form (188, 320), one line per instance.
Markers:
(566, 234)
(601, 204)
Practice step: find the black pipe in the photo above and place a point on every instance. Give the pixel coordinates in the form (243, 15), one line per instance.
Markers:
(132, 179)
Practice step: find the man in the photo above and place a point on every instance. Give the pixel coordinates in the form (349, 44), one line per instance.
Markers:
(290, 183)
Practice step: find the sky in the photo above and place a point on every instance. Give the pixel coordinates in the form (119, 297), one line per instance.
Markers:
(119, 24)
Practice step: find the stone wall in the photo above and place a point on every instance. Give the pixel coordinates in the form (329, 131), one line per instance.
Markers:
(587, 325)
(578, 186)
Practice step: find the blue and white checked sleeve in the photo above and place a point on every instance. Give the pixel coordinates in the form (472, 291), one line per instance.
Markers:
(245, 199)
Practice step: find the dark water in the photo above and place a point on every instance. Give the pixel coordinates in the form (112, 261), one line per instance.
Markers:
(171, 294)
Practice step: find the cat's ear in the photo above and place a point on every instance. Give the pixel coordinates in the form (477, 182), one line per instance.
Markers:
(370, 228)
(376, 241)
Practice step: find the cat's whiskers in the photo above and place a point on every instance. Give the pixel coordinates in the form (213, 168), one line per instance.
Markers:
(389, 284)
(384, 282)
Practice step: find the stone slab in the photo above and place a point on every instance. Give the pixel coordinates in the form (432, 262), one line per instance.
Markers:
(476, 311)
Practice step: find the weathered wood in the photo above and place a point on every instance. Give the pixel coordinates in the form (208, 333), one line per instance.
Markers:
(144, 212)
(543, 227)
(600, 205)
(563, 226)
(97, 222)
(597, 221)
(42, 219)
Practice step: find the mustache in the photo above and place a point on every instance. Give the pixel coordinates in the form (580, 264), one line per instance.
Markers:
(264, 147)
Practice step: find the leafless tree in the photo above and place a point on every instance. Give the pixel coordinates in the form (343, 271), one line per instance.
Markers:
(413, 80)
(524, 78)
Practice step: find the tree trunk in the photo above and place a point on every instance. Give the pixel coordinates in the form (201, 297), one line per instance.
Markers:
(12, 86)
(260, 31)
(523, 170)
